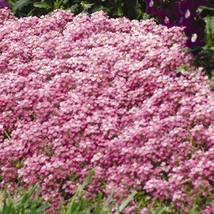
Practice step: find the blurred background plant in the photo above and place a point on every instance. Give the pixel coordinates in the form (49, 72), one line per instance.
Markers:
(205, 54)
(134, 9)
(23, 8)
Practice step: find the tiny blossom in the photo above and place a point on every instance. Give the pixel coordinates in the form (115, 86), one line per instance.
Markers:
(83, 92)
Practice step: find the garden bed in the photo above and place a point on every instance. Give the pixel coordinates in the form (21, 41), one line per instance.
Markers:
(120, 96)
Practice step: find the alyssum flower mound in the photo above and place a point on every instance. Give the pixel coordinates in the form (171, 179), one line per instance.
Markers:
(90, 91)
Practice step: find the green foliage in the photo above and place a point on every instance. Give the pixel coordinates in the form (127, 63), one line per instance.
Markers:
(29, 203)
(163, 206)
(132, 9)
(182, 69)
(205, 55)
(208, 49)
(24, 204)
(37, 8)
(154, 206)
(81, 205)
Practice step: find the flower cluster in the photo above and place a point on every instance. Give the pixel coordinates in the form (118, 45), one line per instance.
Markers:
(89, 91)
(181, 13)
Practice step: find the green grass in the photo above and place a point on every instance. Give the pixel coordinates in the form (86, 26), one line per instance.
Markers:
(30, 203)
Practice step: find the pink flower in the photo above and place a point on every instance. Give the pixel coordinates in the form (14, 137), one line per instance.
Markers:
(92, 92)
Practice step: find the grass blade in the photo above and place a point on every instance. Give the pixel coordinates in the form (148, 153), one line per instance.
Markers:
(126, 202)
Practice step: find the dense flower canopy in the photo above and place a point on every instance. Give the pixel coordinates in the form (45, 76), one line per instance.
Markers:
(90, 91)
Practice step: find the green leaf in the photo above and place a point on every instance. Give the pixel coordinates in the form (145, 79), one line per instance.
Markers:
(75, 207)
(42, 5)
(42, 208)
(57, 4)
(8, 202)
(31, 12)
(74, 7)
(182, 69)
(126, 202)
(20, 4)
(207, 8)
(86, 181)
(106, 203)
(98, 205)
(23, 204)
(65, 2)
(86, 5)
(118, 12)
(26, 197)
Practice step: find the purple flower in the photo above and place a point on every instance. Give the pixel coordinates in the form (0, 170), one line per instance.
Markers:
(187, 11)
(4, 3)
(195, 33)
(151, 6)
(167, 15)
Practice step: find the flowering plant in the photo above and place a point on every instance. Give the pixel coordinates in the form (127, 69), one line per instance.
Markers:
(186, 13)
(181, 13)
(197, 22)
(79, 92)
